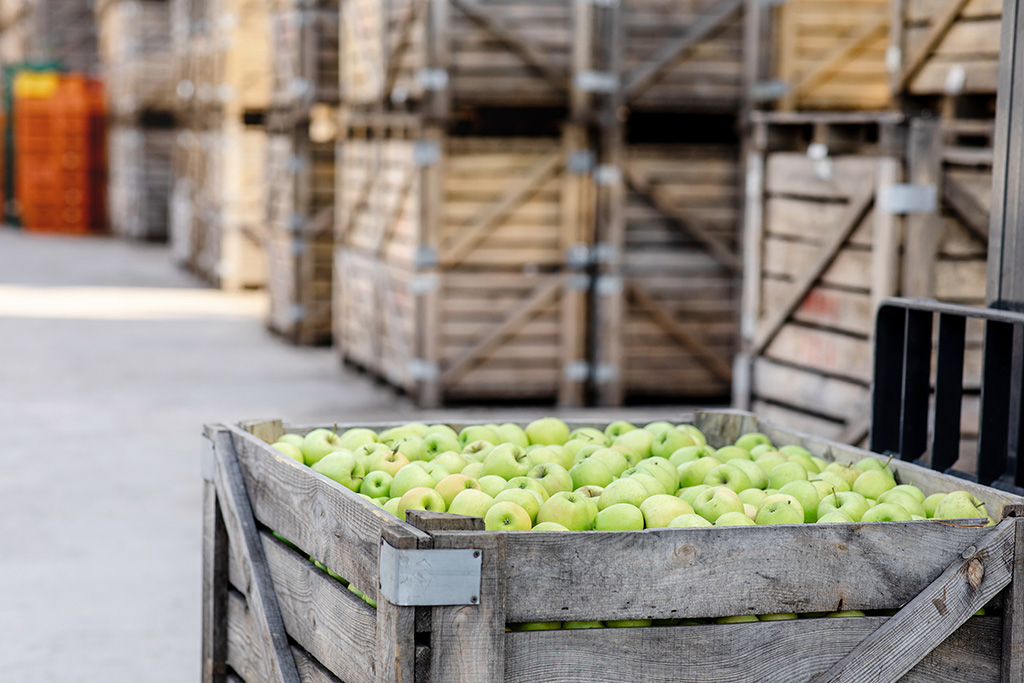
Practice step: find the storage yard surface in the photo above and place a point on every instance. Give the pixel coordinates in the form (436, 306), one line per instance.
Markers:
(102, 406)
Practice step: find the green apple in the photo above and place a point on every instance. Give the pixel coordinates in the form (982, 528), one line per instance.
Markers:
(835, 517)
(639, 440)
(786, 472)
(751, 439)
(474, 469)
(492, 484)
(690, 453)
(871, 463)
(356, 437)
(685, 519)
(794, 449)
(538, 626)
(507, 516)
(393, 434)
(318, 443)
(367, 450)
(289, 449)
(590, 435)
(852, 504)
(591, 472)
(294, 439)
(807, 462)
(619, 517)
(931, 502)
(477, 450)
(770, 460)
(959, 505)
(582, 624)
(547, 431)
(753, 496)
(820, 463)
(833, 479)
(873, 483)
(436, 443)
(614, 460)
(343, 467)
(412, 448)
(693, 473)
(530, 484)
(734, 519)
(549, 526)
(556, 454)
(669, 474)
(659, 426)
(471, 502)
(451, 461)
(509, 432)
(669, 441)
(453, 485)
(392, 506)
(846, 613)
(716, 501)
(750, 510)
(633, 457)
(628, 623)
(524, 498)
(886, 512)
(446, 429)
(507, 461)
(690, 493)
(780, 508)
(616, 429)
(590, 492)
(727, 453)
(622, 491)
(823, 488)
(435, 470)
(785, 616)
(728, 476)
(912, 490)
(479, 432)
(806, 495)
(409, 477)
(552, 476)
(759, 450)
(758, 477)
(420, 498)
(571, 510)
(850, 474)
(697, 435)
(661, 509)
(904, 499)
(376, 484)
(737, 619)
(650, 482)
(584, 453)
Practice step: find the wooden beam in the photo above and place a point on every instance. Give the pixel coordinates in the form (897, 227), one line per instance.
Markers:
(644, 75)
(215, 588)
(679, 332)
(927, 620)
(851, 43)
(858, 207)
(935, 34)
(722, 253)
(530, 53)
(1013, 610)
(470, 234)
(404, 42)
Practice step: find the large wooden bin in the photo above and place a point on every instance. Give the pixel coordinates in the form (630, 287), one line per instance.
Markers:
(270, 615)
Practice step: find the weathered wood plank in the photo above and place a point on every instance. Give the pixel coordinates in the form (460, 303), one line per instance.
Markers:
(1013, 613)
(215, 587)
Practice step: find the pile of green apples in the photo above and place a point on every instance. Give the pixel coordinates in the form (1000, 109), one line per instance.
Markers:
(547, 477)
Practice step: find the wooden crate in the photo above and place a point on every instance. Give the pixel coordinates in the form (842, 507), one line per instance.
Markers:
(269, 614)
(463, 244)
(946, 47)
(818, 54)
(821, 254)
(304, 46)
(300, 235)
(666, 307)
(65, 31)
(139, 181)
(135, 47)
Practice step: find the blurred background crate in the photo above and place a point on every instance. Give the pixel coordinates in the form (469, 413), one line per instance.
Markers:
(140, 180)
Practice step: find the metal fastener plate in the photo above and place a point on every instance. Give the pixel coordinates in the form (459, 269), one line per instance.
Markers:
(430, 577)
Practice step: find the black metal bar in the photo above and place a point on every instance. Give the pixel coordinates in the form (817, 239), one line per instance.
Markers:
(887, 389)
(917, 365)
(993, 429)
(949, 391)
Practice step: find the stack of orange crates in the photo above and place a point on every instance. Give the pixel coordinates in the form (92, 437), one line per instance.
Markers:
(60, 148)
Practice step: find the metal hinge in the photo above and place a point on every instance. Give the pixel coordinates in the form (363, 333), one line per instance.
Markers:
(904, 198)
(581, 161)
(592, 81)
(422, 370)
(577, 255)
(424, 284)
(893, 58)
(605, 373)
(425, 257)
(432, 80)
(608, 285)
(430, 577)
(607, 176)
(426, 152)
(296, 313)
(576, 371)
(578, 282)
(768, 90)
(605, 253)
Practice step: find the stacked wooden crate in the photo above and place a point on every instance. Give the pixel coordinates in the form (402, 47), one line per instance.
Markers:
(64, 31)
(135, 47)
(15, 31)
(299, 201)
(222, 74)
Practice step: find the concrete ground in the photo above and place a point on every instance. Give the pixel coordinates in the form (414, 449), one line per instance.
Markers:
(111, 360)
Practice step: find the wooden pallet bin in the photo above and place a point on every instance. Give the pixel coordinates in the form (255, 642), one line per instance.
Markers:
(270, 615)
(452, 264)
(822, 251)
(135, 48)
(139, 183)
(300, 235)
(666, 314)
(818, 54)
(948, 47)
(304, 44)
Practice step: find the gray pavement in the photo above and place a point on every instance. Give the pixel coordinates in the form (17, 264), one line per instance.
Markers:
(111, 359)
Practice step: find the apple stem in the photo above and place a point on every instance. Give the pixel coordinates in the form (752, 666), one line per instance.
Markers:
(335, 428)
(835, 495)
(889, 460)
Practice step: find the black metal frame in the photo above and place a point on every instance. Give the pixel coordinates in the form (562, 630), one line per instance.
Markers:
(904, 377)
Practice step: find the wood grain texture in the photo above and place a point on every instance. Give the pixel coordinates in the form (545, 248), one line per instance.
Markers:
(767, 652)
(1013, 612)
(215, 588)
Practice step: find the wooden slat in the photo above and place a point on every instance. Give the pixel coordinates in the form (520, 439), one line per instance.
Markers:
(215, 587)
(974, 217)
(872, 28)
(927, 44)
(1013, 613)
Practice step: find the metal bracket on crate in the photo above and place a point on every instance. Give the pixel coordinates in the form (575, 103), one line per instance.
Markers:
(893, 59)
(425, 257)
(296, 313)
(608, 285)
(580, 161)
(605, 253)
(298, 247)
(426, 152)
(577, 255)
(432, 80)
(301, 87)
(297, 163)
(771, 3)
(605, 373)
(576, 371)
(424, 284)
(956, 79)
(422, 370)
(430, 577)
(579, 282)
(185, 90)
(769, 90)
(603, 82)
(607, 176)
(904, 198)
(207, 465)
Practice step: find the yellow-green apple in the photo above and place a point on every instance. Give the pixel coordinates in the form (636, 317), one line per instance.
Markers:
(590, 472)
(357, 436)
(734, 519)
(615, 429)
(820, 463)
(753, 496)
(693, 473)
(619, 517)
(780, 508)
(697, 435)
(393, 434)
(750, 510)
(318, 443)
(850, 503)
(912, 490)
(737, 619)
(376, 484)
(690, 493)
(547, 430)
(507, 516)
(658, 426)
(846, 613)
(661, 509)
(727, 453)
(628, 623)
(530, 484)
(931, 502)
(716, 501)
(794, 449)
(409, 477)
(584, 453)
(959, 505)
(447, 429)
(507, 460)
(759, 450)
(590, 435)
(538, 626)
(905, 500)
(833, 479)
(392, 506)
(622, 491)
(726, 475)
(524, 498)
(669, 475)
(509, 432)
(289, 449)
(294, 439)
(552, 476)
(835, 517)
(786, 472)
(848, 473)
(474, 469)
(571, 510)
(614, 460)
(784, 616)
(479, 432)
(435, 470)
(549, 526)
(582, 624)
(869, 463)
(453, 485)
(492, 484)
(633, 457)
(420, 498)
(451, 461)
(806, 495)
(650, 482)
(471, 502)
(343, 467)
(758, 477)
(639, 440)
(555, 453)
(770, 460)
(886, 512)
(751, 439)
(873, 483)
(413, 448)
(809, 465)
(367, 450)
(691, 519)
(386, 461)
(690, 453)
(477, 450)
(669, 441)
(436, 443)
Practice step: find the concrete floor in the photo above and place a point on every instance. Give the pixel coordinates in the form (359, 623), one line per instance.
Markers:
(111, 359)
